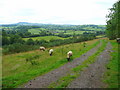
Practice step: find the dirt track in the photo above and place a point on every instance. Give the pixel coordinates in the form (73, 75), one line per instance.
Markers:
(45, 80)
(92, 75)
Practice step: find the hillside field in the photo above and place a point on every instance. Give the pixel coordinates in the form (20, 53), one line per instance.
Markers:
(17, 71)
(47, 38)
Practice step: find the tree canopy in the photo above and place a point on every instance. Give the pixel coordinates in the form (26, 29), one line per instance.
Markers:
(113, 21)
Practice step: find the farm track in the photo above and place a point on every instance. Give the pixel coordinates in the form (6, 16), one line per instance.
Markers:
(91, 77)
(45, 80)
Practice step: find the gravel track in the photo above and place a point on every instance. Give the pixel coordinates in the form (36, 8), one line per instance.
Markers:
(45, 80)
(91, 77)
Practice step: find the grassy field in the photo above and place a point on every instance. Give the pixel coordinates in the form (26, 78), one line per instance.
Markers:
(47, 38)
(34, 31)
(112, 75)
(90, 28)
(17, 71)
(37, 30)
(100, 36)
(76, 32)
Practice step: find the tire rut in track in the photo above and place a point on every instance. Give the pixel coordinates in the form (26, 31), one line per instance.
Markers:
(45, 80)
(91, 77)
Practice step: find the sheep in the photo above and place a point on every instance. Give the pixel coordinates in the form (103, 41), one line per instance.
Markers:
(69, 54)
(42, 48)
(51, 52)
(118, 40)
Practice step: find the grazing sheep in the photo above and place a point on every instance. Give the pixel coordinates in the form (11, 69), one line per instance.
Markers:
(69, 54)
(51, 52)
(42, 48)
(118, 40)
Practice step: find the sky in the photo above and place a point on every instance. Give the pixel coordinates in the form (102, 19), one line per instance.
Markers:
(76, 12)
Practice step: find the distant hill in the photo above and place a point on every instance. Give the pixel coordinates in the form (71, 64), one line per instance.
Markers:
(21, 23)
(27, 23)
(88, 27)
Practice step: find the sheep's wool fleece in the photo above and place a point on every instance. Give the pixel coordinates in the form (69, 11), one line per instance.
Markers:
(42, 47)
(69, 54)
(51, 50)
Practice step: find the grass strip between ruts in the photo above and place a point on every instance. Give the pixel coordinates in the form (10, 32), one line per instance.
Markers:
(75, 72)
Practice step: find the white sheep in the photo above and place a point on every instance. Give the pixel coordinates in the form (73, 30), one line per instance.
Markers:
(118, 40)
(42, 48)
(51, 52)
(69, 54)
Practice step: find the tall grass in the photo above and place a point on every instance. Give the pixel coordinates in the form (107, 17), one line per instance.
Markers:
(112, 74)
(17, 71)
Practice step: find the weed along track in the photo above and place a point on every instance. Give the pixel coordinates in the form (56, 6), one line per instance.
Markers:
(45, 80)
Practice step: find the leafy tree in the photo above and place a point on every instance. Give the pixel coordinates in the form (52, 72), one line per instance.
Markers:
(113, 21)
(5, 41)
(15, 39)
(30, 42)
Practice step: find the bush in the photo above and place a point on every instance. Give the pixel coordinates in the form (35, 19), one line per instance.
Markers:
(32, 45)
(17, 47)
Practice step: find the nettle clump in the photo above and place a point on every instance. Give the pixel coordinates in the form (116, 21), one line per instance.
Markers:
(32, 59)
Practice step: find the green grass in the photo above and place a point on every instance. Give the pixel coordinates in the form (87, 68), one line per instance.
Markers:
(76, 32)
(64, 81)
(95, 29)
(112, 74)
(47, 38)
(17, 71)
(100, 36)
(35, 30)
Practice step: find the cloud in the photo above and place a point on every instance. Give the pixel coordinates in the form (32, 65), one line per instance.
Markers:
(55, 11)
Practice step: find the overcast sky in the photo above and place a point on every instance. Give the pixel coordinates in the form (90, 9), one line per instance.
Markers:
(55, 11)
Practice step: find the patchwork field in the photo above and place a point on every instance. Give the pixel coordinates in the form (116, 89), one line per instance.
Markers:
(56, 32)
(71, 32)
(47, 38)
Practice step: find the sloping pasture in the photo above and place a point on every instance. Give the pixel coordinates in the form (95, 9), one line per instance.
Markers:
(16, 70)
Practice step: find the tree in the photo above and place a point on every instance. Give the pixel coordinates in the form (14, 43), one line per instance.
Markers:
(5, 41)
(30, 42)
(15, 39)
(113, 21)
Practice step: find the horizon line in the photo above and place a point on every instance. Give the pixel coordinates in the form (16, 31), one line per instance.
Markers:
(48, 23)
